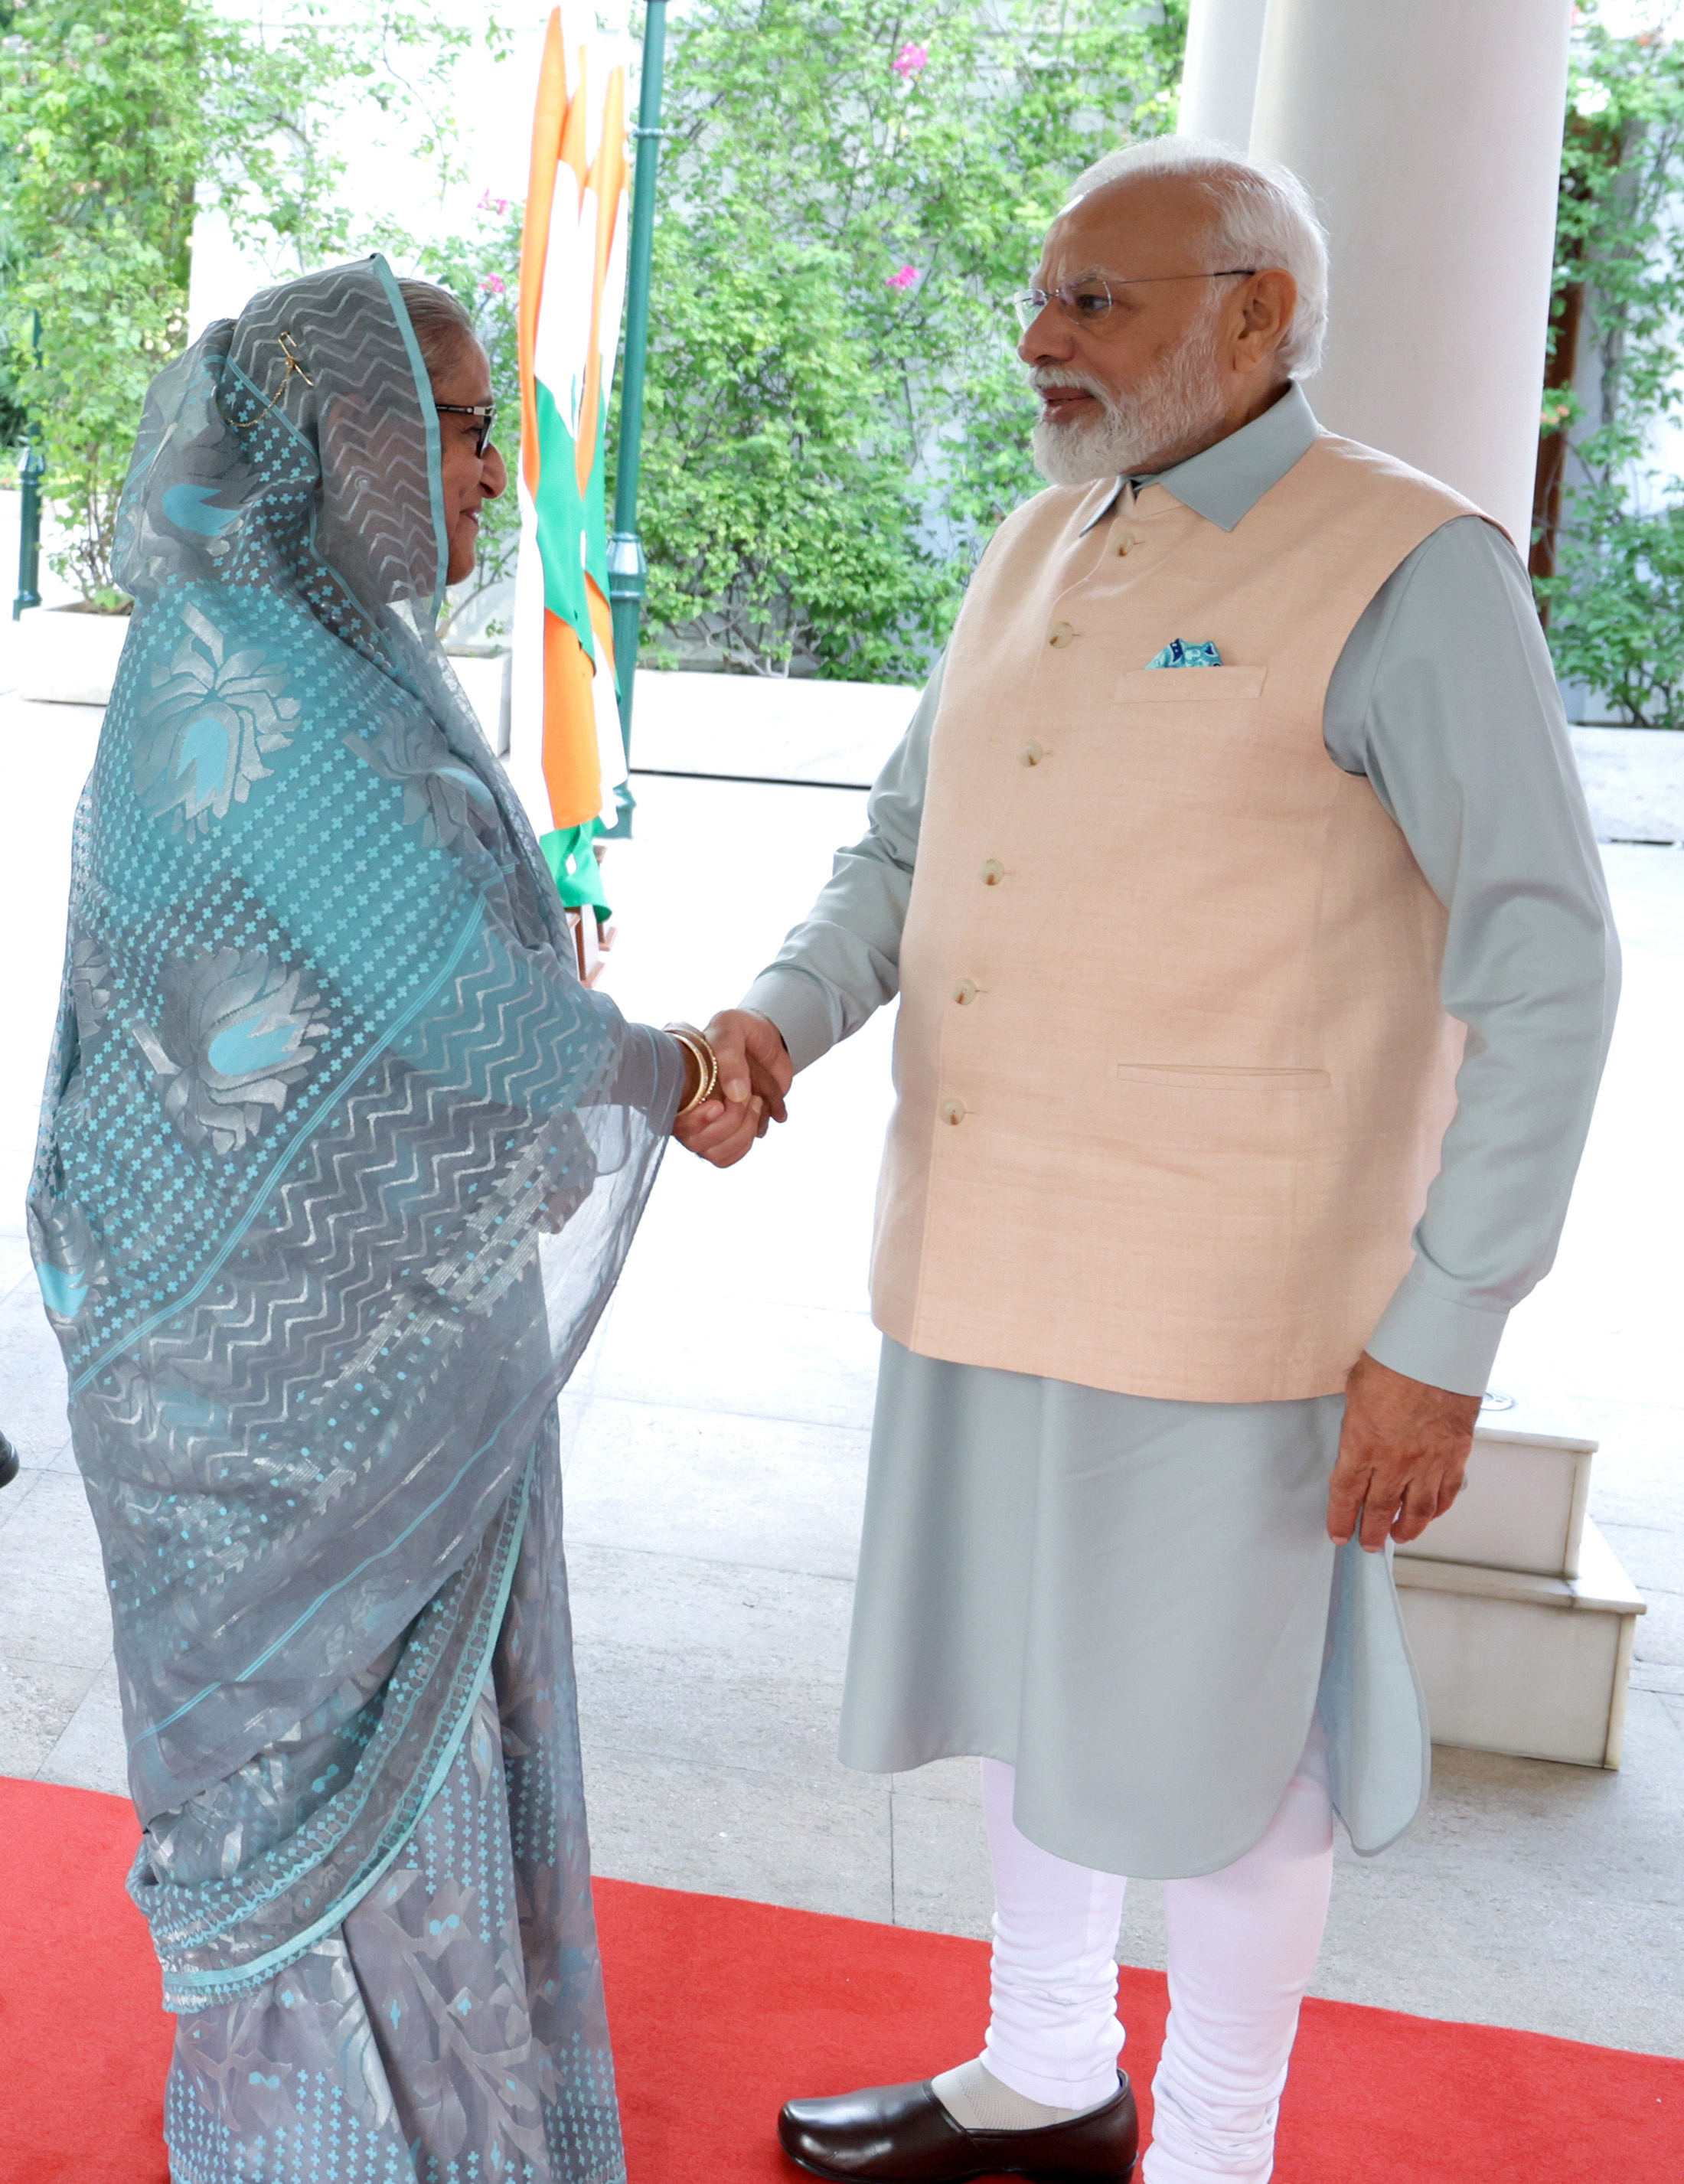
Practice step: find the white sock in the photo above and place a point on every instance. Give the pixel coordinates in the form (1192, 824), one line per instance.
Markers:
(977, 2101)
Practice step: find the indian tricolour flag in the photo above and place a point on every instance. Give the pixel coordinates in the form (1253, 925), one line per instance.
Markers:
(566, 752)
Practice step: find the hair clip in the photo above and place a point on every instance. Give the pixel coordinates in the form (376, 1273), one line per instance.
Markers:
(294, 363)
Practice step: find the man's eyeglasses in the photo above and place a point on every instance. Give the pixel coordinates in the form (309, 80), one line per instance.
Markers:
(485, 411)
(1089, 302)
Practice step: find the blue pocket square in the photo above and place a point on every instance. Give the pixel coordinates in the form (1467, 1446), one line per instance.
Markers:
(1179, 654)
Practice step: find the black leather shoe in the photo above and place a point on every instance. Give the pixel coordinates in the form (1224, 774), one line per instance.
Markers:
(8, 1462)
(902, 2135)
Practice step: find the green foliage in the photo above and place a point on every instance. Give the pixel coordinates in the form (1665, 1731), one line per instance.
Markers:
(100, 118)
(1619, 620)
(836, 420)
(482, 270)
(1614, 601)
(114, 124)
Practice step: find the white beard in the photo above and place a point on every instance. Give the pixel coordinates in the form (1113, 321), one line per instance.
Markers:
(1138, 432)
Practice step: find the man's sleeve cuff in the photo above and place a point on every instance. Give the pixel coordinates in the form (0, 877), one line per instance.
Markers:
(800, 1007)
(1437, 1339)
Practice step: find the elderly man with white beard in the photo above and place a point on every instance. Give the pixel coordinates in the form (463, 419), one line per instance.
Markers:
(1256, 974)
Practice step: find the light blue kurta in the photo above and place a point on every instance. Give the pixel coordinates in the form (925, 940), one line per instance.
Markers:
(1135, 1602)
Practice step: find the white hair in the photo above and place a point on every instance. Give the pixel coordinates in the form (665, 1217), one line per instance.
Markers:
(1263, 216)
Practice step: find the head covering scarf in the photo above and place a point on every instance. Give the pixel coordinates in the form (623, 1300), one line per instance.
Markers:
(339, 1161)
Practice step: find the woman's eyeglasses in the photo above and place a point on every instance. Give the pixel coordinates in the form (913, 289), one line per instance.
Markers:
(1089, 303)
(485, 411)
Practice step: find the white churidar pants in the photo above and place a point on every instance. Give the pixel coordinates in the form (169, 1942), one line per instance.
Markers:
(1243, 1943)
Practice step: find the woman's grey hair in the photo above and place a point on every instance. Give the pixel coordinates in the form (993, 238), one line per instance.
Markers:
(440, 323)
(1263, 216)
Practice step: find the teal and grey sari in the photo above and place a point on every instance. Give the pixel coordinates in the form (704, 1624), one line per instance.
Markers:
(338, 1165)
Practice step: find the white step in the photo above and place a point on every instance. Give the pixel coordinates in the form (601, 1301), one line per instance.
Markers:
(1513, 1662)
(1522, 1507)
(61, 656)
(774, 727)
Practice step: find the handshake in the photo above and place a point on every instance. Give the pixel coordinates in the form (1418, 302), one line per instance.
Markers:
(755, 1073)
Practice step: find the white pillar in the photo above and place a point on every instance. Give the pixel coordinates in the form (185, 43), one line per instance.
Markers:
(1429, 131)
(1220, 75)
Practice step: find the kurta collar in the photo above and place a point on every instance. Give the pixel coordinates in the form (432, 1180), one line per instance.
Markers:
(1225, 483)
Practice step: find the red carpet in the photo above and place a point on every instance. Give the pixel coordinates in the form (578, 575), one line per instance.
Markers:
(765, 2002)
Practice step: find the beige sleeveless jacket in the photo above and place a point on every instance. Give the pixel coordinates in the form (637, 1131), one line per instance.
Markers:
(1171, 1064)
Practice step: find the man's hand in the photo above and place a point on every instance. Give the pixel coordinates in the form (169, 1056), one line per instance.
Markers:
(1402, 1456)
(755, 1073)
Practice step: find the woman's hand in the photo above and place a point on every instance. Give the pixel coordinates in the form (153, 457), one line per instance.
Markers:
(755, 1073)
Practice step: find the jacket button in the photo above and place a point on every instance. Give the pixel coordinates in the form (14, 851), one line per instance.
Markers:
(952, 1110)
(1060, 634)
(993, 871)
(1031, 754)
(965, 992)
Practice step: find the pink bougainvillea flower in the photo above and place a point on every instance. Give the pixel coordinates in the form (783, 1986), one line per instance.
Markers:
(903, 279)
(493, 284)
(910, 61)
(489, 203)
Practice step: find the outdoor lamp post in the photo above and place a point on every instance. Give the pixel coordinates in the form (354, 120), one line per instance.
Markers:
(31, 472)
(626, 567)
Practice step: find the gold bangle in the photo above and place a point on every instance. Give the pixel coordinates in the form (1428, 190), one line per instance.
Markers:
(696, 1044)
(692, 1054)
(707, 1065)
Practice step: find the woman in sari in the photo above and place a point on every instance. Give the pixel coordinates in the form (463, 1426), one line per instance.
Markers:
(338, 1165)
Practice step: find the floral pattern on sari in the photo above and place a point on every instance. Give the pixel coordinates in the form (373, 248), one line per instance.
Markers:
(452, 2026)
(232, 1041)
(208, 721)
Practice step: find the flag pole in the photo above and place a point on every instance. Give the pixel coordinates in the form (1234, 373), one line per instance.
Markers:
(626, 563)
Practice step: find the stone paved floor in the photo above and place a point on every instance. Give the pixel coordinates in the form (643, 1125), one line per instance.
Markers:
(718, 1438)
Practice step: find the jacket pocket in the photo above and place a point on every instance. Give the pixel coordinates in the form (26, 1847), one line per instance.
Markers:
(1189, 686)
(1218, 1077)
